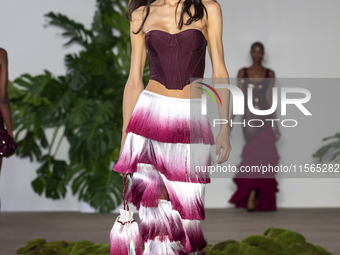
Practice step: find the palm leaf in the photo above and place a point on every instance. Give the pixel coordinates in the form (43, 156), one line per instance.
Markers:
(75, 31)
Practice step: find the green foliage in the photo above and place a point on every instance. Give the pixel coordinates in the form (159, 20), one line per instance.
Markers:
(290, 243)
(331, 150)
(84, 106)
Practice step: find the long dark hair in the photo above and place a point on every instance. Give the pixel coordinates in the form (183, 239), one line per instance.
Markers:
(199, 11)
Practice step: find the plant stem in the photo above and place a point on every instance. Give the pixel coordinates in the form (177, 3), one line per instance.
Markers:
(53, 139)
(60, 140)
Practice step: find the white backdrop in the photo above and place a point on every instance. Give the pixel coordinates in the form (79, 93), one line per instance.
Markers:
(301, 40)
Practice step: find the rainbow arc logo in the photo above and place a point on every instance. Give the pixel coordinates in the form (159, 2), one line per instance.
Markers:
(209, 93)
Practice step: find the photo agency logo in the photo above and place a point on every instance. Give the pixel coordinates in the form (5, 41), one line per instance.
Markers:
(239, 104)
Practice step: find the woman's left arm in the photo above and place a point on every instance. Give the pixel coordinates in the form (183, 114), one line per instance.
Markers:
(215, 48)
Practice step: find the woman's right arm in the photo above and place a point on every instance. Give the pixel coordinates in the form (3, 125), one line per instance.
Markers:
(134, 85)
(4, 100)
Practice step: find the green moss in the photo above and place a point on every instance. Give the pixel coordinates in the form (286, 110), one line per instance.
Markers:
(276, 241)
(221, 245)
(25, 250)
(81, 248)
(104, 248)
(208, 248)
(290, 237)
(232, 249)
(321, 250)
(65, 250)
(252, 250)
(52, 247)
(80, 251)
(32, 246)
(215, 252)
(269, 245)
(242, 247)
(45, 251)
(60, 244)
(263, 242)
(36, 242)
(273, 232)
(304, 248)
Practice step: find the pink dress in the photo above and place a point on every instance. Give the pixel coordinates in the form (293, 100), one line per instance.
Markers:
(260, 149)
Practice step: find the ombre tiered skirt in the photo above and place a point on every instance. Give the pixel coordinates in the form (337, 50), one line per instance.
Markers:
(166, 149)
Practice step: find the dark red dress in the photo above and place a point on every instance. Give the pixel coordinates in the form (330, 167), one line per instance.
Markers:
(259, 150)
(2, 125)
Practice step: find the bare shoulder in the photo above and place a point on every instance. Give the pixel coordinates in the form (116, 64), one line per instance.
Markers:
(240, 73)
(136, 19)
(3, 52)
(138, 14)
(213, 7)
(3, 55)
(271, 73)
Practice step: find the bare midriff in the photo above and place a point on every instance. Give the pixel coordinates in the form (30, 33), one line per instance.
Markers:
(156, 87)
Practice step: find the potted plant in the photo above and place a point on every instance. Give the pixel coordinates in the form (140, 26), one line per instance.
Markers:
(84, 106)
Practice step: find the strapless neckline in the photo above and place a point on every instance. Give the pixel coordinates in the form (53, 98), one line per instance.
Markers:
(158, 30)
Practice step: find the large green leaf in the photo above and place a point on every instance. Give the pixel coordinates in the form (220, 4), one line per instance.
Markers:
(51, 178)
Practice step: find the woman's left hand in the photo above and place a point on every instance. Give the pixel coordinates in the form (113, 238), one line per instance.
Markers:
(222, 142)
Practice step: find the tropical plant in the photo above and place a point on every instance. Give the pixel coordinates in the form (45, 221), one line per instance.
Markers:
(330, 151)
(83, 106)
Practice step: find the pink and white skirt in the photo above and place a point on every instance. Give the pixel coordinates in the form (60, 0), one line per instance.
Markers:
(168, 142)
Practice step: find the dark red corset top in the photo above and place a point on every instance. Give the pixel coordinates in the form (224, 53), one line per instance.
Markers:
(175, 58)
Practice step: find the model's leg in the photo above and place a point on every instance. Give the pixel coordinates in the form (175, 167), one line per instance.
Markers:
(251, 200)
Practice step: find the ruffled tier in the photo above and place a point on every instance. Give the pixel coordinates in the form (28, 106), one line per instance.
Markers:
(162, 223)
(163, 247)
(186, 198)
(166, 247)
(170, 134)
(170, 120)
(176, 161)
